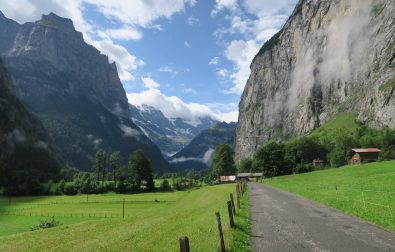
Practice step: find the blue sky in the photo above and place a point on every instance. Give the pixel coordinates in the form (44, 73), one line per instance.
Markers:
(188, 58)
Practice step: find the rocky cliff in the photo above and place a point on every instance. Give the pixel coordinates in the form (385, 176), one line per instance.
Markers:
(331, 56)
(73, 90)
(26, 155)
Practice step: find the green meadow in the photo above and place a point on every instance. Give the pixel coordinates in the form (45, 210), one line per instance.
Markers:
(153, 221)
(366, 191)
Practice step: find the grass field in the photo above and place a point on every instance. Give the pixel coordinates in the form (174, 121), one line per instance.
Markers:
(153, 222)
(366, 191)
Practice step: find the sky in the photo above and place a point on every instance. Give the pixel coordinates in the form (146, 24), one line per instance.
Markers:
(187, 58)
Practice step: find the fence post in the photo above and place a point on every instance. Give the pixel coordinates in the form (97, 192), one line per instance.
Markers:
(230, 212)
(184, 244)
(238, 195)
(221, 235)
(233, 204)
(123, 209)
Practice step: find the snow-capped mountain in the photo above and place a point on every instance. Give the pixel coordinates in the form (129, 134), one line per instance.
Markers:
(169, 134)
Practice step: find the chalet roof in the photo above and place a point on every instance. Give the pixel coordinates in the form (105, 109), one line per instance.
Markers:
(243, 175)
(367, 150)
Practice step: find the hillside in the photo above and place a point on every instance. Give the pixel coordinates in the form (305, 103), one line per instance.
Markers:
(169, 134)
(198, 154)
(330, 57)
(27, 157)
(73, 90)
(366, 191)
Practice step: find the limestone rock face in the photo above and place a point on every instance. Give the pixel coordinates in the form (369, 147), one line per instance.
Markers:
(331, 56)
(73, 89)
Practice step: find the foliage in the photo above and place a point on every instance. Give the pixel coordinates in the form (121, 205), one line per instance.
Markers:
(390, 84)
(245, 165)
(139, 170)
(100, 164)
(223, 161)
(270, 160)
(115, 165)
(165, 185)
(46, 224)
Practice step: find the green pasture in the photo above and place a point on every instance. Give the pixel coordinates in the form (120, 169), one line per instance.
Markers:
(153, 221)
(366, 191)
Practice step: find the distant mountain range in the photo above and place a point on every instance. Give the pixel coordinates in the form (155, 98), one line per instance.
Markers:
(73, 90)
(199, 153)
(171, 135)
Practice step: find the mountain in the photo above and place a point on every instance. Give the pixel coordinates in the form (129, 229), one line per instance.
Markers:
(169, 134)
(73, 90)
(198, 154)
(331, 56)
(26, 155)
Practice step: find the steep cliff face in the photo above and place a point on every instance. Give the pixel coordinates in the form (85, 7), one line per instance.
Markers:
(331, 56)
(26, 154)
(73, 90)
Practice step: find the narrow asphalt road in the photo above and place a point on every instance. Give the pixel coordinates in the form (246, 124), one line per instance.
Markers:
(285, 222)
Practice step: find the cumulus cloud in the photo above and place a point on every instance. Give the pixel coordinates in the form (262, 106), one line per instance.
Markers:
(241, 53)
(150, 83)
(174, 107)
(214, 61)
(125, 33)
(256, 22)
(224, 4)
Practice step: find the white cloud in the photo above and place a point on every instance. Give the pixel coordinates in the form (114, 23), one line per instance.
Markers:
(206, 159)
(174, 107)
(187, 44)
(214, 61)
(265, 18)
(193, 21)
(190, 90)
(150, 83)
(125, 33)
(224, 4)
(168, 69)
(129, 132)
(241, 53)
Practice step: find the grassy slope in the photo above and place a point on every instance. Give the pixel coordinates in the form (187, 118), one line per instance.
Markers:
(366, 191)
(149, 226)
(345, 122)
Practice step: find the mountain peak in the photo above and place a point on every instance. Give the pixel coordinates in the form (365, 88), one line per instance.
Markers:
(54, 20)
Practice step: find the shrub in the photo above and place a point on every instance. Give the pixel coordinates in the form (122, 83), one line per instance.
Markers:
(43, 224)
(303, 168)
(165, 185)
(69, 189)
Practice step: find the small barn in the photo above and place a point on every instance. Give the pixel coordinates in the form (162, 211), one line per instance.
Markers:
(249, 176)
(227, 179)
(365, 155)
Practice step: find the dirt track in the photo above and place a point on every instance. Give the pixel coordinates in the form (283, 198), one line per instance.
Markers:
(285, 222)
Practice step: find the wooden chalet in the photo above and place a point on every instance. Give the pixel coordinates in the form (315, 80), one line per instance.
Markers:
(365, 155)
(249, 176)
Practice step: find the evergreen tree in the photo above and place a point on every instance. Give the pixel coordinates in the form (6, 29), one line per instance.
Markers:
(115, 165)
(223, 161)
(100, 163)
(139, 169)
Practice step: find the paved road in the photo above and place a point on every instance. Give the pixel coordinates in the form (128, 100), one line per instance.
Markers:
(285, 222)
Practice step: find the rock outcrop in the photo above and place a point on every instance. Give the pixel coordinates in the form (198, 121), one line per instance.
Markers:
(73, 90)
(331, 56)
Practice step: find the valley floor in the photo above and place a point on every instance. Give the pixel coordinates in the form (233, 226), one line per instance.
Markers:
(153, 222)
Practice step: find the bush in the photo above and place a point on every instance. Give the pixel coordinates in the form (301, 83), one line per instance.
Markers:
(165, 185)
(46, 224)
(303, 168)
(69, 189)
